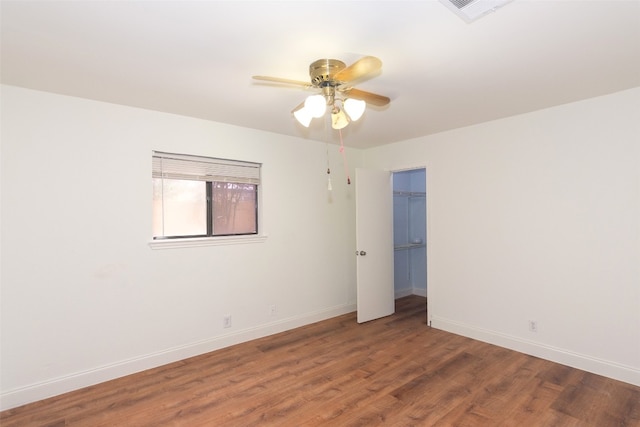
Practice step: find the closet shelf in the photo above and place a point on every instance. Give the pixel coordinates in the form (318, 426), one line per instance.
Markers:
(409, 246)
(410, 193)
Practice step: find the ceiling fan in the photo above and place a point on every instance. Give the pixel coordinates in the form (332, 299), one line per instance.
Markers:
(335, 80)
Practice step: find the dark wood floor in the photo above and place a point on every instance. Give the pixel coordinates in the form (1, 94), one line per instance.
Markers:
(394, 371)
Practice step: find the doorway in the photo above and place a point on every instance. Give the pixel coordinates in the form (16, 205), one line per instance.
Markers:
(410, 233)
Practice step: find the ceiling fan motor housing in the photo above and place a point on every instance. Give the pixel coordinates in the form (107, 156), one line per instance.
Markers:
(323, 70)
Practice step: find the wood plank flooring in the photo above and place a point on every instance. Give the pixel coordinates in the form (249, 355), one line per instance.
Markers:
(394, 371)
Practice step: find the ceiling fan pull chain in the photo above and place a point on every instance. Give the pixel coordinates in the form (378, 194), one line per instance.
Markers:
(329, 187)
(344, 158)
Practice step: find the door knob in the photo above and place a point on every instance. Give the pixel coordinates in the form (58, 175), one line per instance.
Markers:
(363, 253)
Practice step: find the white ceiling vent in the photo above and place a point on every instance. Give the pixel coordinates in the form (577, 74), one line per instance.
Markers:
(470, 10)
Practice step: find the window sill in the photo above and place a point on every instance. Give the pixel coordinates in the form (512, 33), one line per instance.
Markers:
(206, 241)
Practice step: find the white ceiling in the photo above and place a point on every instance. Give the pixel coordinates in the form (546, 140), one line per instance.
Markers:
(196, 58)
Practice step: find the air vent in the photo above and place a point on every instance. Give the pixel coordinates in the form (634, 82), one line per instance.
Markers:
(461, 3)
(470, 10)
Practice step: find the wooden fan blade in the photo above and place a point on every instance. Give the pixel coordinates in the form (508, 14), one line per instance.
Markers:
(360, 68)
(368, 97)
(284, 81)
(299, 106)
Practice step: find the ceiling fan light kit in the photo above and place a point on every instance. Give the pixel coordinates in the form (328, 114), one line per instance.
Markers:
(315, 106)
(336, 81)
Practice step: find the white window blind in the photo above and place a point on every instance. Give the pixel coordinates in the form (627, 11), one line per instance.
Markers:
(198, 168)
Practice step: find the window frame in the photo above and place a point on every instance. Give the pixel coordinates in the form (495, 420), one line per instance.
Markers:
(210, 239)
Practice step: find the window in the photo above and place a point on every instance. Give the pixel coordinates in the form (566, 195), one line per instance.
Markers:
(196, 196)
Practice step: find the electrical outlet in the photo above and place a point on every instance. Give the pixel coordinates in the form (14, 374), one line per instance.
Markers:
(272, 310)
(226, 321)
(533, 326)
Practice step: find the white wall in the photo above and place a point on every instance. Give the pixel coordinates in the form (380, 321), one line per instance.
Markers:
(537, 217)
(85, 299)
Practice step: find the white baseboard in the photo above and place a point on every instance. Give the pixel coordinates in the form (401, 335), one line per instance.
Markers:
(420, 292)
(587, 363)
(400, 293)
(56, 386)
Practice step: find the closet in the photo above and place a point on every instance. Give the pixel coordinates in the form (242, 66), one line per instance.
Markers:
(410, 233)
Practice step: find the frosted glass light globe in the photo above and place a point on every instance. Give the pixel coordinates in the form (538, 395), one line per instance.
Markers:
(303, 116)
(339, 120)
(354, 108)
(316, 105)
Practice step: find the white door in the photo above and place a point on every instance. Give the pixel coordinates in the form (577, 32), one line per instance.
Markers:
(374, 244)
